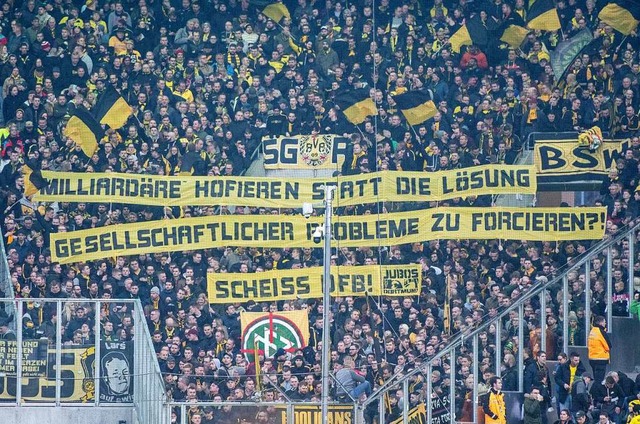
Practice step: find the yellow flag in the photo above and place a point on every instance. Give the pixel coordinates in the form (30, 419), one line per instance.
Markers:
(622, 16)
(462, 37)
(84, 130)
(276, 11)
(514, 35)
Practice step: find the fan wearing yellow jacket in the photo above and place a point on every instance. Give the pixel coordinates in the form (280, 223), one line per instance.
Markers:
(493, 405)
(599, 348)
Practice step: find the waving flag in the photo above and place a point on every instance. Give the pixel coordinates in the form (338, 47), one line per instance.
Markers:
(416, 106)
(84, 130)
(356, 105)
(112, 109)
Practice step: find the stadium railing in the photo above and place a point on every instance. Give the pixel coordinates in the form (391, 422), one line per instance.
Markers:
(539, 291)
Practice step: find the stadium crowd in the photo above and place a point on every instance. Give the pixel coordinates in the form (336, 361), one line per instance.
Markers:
(207, 79)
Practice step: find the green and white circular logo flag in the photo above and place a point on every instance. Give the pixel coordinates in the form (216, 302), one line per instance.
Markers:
(269, 333)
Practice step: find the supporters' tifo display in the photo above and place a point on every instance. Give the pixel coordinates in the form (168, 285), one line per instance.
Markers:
(559, 158)
(539, 224)
(132, 135)
(384, 186)
(292, 284)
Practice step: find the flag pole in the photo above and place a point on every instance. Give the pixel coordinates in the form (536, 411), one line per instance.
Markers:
(364, 137)
(257, 365)
(415, 133)
(326, 299)
(447, 312)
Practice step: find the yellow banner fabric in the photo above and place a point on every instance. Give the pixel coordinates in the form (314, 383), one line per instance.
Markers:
(307, 283)
(569, 158)
(533, 224)
(286, 193)
(312, 414)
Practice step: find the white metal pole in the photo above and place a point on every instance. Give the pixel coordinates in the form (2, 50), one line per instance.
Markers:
(326, 299)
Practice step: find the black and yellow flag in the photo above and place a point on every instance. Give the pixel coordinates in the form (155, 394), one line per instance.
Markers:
(276, 11)
(514, 35)
(112, 109)
(84, 130)
(33, 179)
(544, 16)
(622, 15)
(4, 134)
(356, 105)
(472, 32)
(416, 106)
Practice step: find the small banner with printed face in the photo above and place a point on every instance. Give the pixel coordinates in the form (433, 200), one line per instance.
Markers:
(116, 372)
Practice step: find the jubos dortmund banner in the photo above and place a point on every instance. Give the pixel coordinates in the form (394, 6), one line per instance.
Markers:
(534, 224)
(440, 412)
(372, 280)
(285, 193)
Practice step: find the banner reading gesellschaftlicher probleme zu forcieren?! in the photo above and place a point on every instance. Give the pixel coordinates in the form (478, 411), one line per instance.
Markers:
(533, 224)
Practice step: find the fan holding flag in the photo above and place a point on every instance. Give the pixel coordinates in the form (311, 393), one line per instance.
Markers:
(85, 128)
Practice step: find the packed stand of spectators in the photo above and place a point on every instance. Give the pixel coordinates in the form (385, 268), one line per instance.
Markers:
(208, 79)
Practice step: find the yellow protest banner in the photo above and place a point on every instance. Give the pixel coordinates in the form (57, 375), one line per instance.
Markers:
(565, 160)
(533, 224)
(77, 367)
(312, 414)
(307, 283)
(268, 332)
(285, 192)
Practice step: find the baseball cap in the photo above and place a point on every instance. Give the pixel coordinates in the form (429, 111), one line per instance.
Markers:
(580, 414)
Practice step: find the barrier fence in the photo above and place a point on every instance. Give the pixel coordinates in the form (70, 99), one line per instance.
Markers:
(584, 284)
(6, 286)
(257, 412)
(79, 352)
(60, 353)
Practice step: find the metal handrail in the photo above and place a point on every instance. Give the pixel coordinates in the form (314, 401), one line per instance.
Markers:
(458, 341)
(5, 282)
(145, 410)
(149, 395)
(528, 145)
